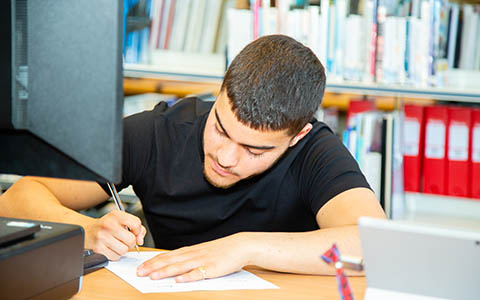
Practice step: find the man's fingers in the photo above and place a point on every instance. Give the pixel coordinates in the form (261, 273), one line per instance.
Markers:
(141, 236)
(173, 270)
(116, 245)
(153, 264)
(196, 274)
(109, 253)
(126, 228)
(161, 261)
(132, 222)
(126, 237)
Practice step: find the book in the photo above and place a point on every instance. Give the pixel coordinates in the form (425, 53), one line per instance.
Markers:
(180, 25)
(164, 19)
(452, 34)
(367, 50)
(240, 33)
(168, 29)
(192, 39)
(324, 32)
(353, 67)
(221, 37)
(213, 12)
(470, 37)
(380, 40)
(155, 16)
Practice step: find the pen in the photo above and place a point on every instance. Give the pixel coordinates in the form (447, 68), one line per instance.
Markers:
(118, 203)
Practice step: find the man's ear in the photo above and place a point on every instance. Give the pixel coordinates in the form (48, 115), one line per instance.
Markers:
(306, 129)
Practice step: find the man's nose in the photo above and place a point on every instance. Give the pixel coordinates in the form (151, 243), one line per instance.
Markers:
(228, 155)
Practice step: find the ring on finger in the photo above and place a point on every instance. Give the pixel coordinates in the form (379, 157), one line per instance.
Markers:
(203, 271)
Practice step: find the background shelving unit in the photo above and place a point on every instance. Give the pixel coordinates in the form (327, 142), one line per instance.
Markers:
(188, 73)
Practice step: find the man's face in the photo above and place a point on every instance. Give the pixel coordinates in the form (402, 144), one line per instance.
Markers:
(234, 151)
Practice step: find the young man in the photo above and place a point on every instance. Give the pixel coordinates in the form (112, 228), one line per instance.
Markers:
(251, 180)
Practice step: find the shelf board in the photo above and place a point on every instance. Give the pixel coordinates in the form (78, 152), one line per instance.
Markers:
(400, 91)
(445, 94)
(419, 204)
(148, 71)
(135, 85)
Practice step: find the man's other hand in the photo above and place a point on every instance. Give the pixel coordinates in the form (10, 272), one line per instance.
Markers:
(206, 260)
(114, 234)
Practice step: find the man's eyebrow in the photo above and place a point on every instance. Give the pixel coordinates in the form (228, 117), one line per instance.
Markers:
(244, 145)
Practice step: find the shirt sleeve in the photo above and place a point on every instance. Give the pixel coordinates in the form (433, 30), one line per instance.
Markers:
(327, 170)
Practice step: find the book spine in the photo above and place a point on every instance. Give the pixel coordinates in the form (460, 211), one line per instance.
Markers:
(452, 34)
(168, 32)
(379, 52)
(373, 40)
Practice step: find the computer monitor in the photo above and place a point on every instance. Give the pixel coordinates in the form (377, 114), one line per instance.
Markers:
(61, 88)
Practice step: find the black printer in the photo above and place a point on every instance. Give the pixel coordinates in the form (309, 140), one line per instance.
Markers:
(40, 260)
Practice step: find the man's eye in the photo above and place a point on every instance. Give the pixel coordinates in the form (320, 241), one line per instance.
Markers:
(220, 132)
(255, 155)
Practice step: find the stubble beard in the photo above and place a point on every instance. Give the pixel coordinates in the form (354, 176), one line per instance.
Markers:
(210, 180)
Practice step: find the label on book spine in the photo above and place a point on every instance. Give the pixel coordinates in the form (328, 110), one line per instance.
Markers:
(476, 144)
(411, 137)
(458, 142)
(435, 140)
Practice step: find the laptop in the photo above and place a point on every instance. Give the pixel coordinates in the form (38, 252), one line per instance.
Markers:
(418, 261)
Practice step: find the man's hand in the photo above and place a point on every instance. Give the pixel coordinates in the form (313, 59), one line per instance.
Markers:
(113, 234)
(206, 260)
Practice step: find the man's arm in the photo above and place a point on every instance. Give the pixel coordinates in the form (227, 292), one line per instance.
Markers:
(337, 220)
(57, 200)
(284, 252)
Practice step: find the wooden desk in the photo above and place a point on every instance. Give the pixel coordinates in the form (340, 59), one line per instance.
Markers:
(103, 284)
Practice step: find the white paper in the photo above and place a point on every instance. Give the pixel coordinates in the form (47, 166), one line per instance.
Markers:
(126, 268)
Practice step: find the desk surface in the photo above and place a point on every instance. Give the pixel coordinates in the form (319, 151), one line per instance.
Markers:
(103, 284)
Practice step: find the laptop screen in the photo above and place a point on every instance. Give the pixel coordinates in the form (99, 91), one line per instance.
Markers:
(419, 260)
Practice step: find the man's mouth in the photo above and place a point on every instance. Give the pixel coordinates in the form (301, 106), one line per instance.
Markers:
(219, 170)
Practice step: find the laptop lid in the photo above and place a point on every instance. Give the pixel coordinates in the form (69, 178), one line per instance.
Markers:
(419, 261)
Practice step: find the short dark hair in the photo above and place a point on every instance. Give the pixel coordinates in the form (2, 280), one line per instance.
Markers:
(275, 83)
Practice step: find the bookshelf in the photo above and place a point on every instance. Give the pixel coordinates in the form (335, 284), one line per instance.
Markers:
(425, 71)
(417, 43)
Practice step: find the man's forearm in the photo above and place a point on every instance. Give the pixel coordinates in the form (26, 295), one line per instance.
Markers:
(29, 199)
(300, 252)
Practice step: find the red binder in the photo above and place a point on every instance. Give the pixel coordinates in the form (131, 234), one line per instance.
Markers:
(475, 155)
(434, 160)
(358, 106)
(458, 150)
(413, 132)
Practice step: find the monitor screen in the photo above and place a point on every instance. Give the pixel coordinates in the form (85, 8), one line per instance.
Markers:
(61, 90)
